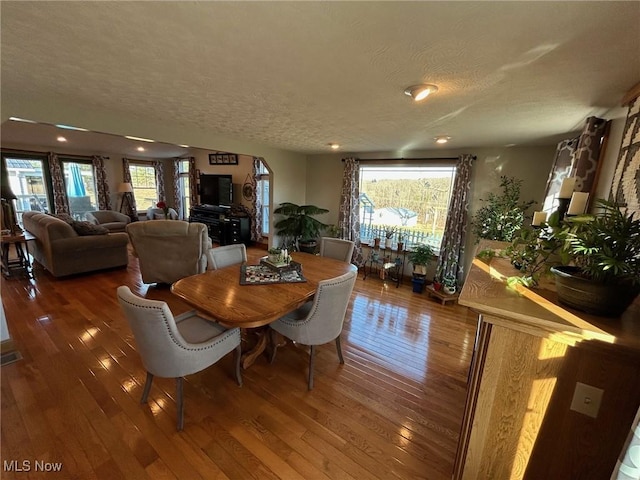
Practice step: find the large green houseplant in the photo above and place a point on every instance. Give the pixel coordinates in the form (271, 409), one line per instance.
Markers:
(298, 227)
(595, 258)
(604, 275)
(503, 214)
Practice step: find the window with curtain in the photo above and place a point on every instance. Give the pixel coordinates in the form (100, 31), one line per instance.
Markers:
(28, 178)
(80, 186)
(408, 202)
(263, 197)
(183, 187)
(145, 187)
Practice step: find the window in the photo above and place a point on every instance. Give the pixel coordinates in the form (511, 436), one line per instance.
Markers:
(183, 186)
(410, 200)
(80, 187)
(263, 197)
(28, 180)
(145, 188)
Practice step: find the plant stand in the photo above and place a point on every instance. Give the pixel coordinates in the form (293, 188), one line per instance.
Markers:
(390, 269)
(440, 295)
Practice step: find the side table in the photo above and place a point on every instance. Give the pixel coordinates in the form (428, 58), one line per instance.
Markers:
(443, 297)
(21, 265)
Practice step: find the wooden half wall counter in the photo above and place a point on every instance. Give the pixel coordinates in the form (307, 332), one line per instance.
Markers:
(531, 355)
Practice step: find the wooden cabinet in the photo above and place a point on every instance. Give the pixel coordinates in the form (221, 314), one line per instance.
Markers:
(224, 228)
(530, 354)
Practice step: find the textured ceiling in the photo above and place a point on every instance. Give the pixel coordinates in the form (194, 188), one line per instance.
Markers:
(299, 75)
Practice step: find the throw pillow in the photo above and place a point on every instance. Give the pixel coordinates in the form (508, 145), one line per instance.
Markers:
(64, 217)
(88, 228)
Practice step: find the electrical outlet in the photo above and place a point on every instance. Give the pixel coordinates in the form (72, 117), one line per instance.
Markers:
(586, 399)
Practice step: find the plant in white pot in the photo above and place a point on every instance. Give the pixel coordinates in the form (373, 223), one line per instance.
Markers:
(420, 256)
(604, 275)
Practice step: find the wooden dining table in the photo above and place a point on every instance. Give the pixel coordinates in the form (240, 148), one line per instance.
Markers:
(220, 295)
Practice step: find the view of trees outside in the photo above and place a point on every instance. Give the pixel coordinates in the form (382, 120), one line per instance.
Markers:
(412, 199)
(143, 181)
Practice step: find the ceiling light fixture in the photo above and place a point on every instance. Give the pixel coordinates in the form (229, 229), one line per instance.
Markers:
(61, 139)
(139, 139)
(334, 146)
(184, 146)
(69, 127)
(18, 119)
(442, 139)
(140, 149)
(420, 92)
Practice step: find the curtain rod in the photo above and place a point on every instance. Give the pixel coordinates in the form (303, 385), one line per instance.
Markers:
(364, 160)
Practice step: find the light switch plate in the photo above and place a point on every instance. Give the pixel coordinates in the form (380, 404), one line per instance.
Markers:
(586, 399)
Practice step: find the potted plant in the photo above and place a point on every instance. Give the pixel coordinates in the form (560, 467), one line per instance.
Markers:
(299, 227)
(449, 284)
(388, 234)
(420, 256)
(604, 275)
(503, 215)
(274, 254)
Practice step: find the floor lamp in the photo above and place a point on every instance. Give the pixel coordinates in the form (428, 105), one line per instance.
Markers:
(126, 189)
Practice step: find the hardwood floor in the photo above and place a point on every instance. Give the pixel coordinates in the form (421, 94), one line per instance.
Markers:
(393, 411)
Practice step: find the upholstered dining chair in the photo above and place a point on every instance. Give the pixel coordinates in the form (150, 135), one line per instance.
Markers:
(169, 250)
(173, 347)
(226, 255)
(320, 321)
(336, 248)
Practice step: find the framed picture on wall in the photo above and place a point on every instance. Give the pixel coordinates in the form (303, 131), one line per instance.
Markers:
(223, 159)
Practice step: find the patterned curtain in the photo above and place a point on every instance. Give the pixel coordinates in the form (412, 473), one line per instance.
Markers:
(132, 211)
(450, 262)
(587, 154)
(349, 215)
(193, 182)
(177, 197)
(159, 168)
(256, 206)
(60, 202)
(102, 187)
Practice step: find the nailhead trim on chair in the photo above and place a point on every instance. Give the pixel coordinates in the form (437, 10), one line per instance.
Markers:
(175, 340)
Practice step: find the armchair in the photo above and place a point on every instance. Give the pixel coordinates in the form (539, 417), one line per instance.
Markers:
(157, 214)
(109, 219)
(169, 250)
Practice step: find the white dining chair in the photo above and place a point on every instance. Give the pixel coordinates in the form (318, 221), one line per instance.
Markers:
(221, 257)
(320, 321)
(336, 248)
(172, 347)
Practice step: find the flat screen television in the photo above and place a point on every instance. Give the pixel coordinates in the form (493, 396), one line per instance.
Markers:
(216, 190)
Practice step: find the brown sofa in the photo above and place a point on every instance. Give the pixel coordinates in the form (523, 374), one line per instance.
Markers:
(62, 251)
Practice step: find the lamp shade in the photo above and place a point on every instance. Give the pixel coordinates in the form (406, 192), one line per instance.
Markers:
(125, 188)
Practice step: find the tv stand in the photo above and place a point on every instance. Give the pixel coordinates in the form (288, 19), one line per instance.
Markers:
(224, 228)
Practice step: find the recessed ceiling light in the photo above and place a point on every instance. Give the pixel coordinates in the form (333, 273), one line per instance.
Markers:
(184, 146)
(140, 149)
(139, 139)
(18, 119)
(420, 92)
(334, 146)
(442, 139)
(61, 139)
(69, 127)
